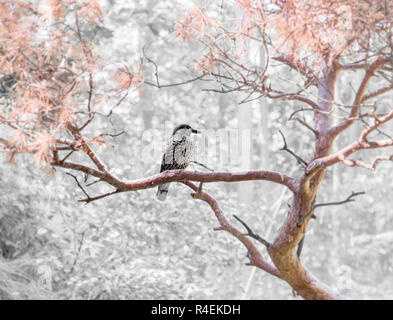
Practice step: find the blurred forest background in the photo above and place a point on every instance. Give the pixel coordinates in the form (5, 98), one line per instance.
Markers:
(130, 246)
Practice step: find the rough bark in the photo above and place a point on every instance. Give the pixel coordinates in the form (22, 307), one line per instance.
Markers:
(283, 249)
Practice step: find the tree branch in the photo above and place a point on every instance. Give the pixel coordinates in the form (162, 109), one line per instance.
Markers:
(90, 199)
(202, 165)
(314, 206)
(179, 176)
(251, 234)
(79, 185)
(86, 148)
(304, 123)
(359, 97)
(302, 162)
(377, 92)
(360, 144)
(297, 66)
(156, 75)
(372, 166)
(253, 253)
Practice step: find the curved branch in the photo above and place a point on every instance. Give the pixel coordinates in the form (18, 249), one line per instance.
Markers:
(336, 203)
(377, 92)
(287, 260)
(342, 154)
(84, 146)
(295, 65)
(360, 144)
(252, 234)
(299, 160)
(254, 254)
(180, 176)
(360, 97)
(293, 96)
(372, 166)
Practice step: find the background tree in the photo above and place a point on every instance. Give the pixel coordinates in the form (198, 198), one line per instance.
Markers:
(58, 99)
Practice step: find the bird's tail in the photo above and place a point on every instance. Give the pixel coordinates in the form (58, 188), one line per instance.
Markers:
(162, 191)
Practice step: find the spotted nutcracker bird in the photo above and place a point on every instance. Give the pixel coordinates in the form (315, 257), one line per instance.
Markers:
(178, 154)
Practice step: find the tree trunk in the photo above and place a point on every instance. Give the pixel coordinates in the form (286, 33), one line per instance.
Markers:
(283, 249)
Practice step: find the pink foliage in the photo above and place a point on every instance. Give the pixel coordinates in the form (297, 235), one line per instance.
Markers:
(126, 78)
(310, 31)
(194, 25)
(48, 66)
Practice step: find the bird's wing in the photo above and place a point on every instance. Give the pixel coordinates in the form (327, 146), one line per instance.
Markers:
(169, 157)
(164, 165)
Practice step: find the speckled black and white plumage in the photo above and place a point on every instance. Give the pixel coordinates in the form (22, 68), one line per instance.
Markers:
(178, 154)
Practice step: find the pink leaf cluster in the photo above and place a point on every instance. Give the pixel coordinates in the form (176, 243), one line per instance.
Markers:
(126, 78)
(310, 31)
(194, 25)
(49, 62)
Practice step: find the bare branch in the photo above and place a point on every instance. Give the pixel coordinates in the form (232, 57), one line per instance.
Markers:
(89, 112)
(94, 182)
(299, 160)
(372, 166)
(361, 144)
(251, 234)
(86, 148)
(79, 185)
(304, 123)
(78, 252)
(253, 253)
(179, 176)
(202, 165)
(297, 66)
(158, 84)
(293, 96)
(300, 246)
(377, 92)
(90, 199)
(174, 84)
(67, 156)
(359, 97)
(313, 207)
(353, 66)
(155, 67)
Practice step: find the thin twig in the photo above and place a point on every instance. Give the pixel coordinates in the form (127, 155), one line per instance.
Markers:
(251, 234)
(313, 207)
(305, 124)
(79, 185)
(302, 162)
(253, 252)
(94, 182)
(78, 253)
(68, 155)
(156, 75)
(202, 165)
(300, 246)
(174, 84)
(90, 199)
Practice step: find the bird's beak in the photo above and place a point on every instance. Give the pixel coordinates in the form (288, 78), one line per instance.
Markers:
(195, 131)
